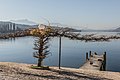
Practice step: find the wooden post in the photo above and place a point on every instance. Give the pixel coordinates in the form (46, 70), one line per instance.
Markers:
(104, 64)
(86, 56)
(95, 53)
(99, 60)
(59, 51)
(90, 54)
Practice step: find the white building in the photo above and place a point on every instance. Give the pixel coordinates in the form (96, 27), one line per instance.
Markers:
(42, 26)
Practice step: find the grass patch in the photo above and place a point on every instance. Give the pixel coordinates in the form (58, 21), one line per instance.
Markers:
(41, 68)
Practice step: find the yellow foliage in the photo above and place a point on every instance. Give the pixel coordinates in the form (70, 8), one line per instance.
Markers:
(40, 32)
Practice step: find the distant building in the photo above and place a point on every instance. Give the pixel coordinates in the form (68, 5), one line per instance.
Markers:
(7, 26)
(42, 26)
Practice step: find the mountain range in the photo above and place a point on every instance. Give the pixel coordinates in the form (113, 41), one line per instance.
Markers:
(25, 24)
(117, 30)
(23, 21)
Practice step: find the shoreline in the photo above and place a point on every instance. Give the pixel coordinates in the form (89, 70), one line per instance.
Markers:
(88, 37)
(22, 71)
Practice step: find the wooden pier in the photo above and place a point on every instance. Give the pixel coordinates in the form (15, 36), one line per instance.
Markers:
(95, 61)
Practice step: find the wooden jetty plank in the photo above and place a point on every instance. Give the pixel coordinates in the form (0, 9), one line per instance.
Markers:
(95, 62)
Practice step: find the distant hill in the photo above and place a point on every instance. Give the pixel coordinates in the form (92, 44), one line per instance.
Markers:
(24, 26)
(90, 30)
(117, 30)
(23, 21)
(65, 28)
(104, 30)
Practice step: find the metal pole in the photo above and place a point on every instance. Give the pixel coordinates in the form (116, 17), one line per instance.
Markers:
(59, 51)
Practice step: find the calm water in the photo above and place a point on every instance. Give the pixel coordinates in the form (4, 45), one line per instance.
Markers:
(73, 52)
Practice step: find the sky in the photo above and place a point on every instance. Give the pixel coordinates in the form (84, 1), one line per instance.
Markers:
(87, 14)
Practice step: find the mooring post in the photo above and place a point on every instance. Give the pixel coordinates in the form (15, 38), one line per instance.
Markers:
(90, 54)
(104, 64)
(86, 56)
(95, 53)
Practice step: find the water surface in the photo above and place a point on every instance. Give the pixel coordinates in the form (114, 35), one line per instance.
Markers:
(73, 52)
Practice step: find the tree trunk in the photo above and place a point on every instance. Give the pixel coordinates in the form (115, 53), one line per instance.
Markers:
(40, 62)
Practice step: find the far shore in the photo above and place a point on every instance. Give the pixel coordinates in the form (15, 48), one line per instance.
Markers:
(22, 71)
(71, 35)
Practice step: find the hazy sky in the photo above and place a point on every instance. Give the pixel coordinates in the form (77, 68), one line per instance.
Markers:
(91, 14)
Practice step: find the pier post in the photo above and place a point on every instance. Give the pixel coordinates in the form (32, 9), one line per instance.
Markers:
(86, 56)
(104, 64)
(90, 54)
(95, 53)
(99, 60)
